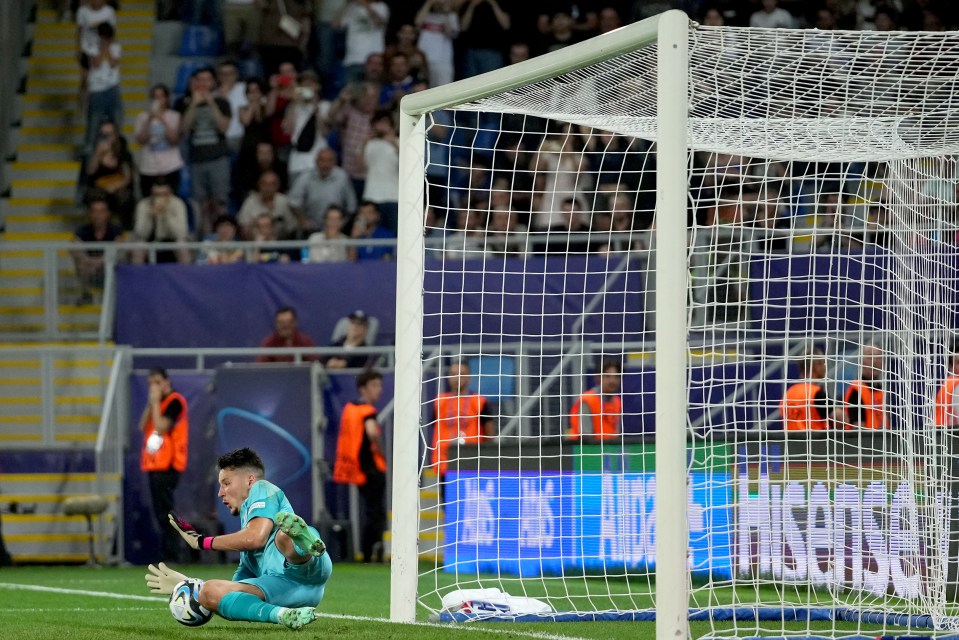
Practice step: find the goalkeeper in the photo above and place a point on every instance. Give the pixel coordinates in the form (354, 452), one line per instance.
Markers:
(283, 565)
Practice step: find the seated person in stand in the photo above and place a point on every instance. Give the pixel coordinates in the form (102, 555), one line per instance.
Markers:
(161, 217)
(366, 224)
(224, 230)
(109, 168)
(267, 199)
(285, 334)
(264, 234)
(355, 337)
(322, 247)
(98, 228)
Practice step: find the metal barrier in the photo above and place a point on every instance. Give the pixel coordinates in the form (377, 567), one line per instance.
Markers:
(112, 442)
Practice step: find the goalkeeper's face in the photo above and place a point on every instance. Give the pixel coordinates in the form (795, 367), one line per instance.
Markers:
(235, 488)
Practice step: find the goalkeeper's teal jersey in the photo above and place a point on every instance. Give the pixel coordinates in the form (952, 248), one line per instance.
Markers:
(265, 501)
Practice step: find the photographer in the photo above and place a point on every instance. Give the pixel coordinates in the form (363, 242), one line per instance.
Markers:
(305, 121)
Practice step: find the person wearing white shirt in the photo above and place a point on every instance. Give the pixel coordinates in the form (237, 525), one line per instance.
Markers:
(230, 88)
(305, 120)
(103, 84)
(438, 25)
(89, 16)
(382, 159)
(158, 133)
(365, 24)
(772, 16)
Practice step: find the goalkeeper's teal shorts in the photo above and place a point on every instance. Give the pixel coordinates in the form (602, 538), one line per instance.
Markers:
(292, 585)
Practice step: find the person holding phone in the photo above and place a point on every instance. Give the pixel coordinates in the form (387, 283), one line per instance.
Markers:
(157, 130)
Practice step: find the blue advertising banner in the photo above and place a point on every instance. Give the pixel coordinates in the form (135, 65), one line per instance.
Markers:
(534, 523)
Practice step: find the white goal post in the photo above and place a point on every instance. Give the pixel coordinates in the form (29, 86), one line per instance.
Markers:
(671, 30)
(789, 197)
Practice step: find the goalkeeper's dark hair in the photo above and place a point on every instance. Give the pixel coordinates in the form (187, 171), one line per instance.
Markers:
(244, 458)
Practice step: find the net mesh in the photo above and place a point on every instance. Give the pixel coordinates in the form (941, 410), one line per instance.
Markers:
(774, 93)
(822, 251)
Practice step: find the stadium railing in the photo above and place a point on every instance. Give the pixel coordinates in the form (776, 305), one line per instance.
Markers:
(715, 273)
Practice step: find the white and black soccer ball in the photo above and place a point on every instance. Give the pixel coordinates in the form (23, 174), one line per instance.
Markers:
(185, 606)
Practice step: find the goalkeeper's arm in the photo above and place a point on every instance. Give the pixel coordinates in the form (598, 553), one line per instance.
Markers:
(251, 538)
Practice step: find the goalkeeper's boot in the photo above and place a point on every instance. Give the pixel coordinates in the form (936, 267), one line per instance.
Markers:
(306, 541)
(298, 618)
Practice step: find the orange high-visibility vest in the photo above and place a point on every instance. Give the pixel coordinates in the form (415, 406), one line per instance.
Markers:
(871, 401)
(346, 467)
(606, 415)
(172, 453)
(945, 401)
(457, 420)
(799, 412)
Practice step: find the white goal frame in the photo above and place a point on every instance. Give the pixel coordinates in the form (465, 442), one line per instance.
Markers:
(670, 31)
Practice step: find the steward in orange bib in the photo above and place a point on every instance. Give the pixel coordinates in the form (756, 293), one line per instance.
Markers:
(598, 413)
(947, 399)
(805, 406)
(864, 398)
(360, 460)
(461, 417)
(166, 434)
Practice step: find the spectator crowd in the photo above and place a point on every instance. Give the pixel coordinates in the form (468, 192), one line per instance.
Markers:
(292, 134)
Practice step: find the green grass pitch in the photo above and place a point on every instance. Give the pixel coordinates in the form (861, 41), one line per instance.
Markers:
(89, 603)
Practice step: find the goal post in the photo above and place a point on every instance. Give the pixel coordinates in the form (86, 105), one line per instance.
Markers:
(677, 319)
(671, 250)
(670, 28)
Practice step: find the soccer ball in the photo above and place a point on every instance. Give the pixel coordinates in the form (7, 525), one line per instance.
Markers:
(185, 607)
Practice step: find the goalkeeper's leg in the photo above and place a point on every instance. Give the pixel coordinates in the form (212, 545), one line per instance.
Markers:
(306, 543)
(243, 606)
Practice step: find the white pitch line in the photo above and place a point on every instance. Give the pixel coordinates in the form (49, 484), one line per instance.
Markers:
(80, 592)
(454, 627)
(77, 609)
(332, 616)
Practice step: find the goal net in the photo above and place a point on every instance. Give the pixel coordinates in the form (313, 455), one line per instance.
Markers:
(675, 336)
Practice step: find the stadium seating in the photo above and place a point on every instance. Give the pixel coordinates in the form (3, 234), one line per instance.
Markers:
(200, 41)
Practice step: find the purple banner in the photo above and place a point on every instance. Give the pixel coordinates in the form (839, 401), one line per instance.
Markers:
(174, 305)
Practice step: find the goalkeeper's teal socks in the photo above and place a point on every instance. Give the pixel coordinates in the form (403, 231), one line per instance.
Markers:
(238, 605)
(246, 607)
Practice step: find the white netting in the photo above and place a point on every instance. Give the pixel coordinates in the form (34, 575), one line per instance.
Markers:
(775, 93)
(822, 224)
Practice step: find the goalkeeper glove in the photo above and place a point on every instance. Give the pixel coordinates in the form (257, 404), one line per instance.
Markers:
(188, 532)
(162, 579)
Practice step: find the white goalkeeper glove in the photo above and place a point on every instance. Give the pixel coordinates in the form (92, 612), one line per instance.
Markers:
(188, 532)
(162, 579)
